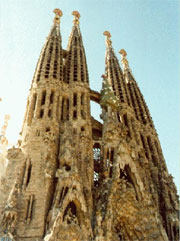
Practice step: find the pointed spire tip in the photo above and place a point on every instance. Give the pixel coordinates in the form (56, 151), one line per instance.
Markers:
(107, 33)
(58, 14)
(77, 16)
(108, 40)
(124, 60)
(123, 52)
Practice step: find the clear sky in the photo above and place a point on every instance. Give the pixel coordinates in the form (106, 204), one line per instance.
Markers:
(147, 29)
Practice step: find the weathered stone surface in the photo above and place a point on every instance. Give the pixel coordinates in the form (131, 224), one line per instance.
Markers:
(73, 178)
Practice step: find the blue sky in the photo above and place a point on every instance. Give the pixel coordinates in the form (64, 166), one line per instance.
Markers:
(147, 29)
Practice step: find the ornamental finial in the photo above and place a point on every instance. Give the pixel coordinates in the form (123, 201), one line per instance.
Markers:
(124, 61)
(76, 15)
(108, 40)
(59, 14)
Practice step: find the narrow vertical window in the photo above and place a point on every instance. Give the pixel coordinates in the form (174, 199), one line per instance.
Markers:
(50, 113)
(52, 97)
(67, 113)
(74, 99)
(29, 175)
(43, 97)
(41, 113)
(62, 109)
(74, 114)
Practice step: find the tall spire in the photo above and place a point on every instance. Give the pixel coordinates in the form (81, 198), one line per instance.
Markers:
(139, 105)
(50, 63)
(76, 66)
(114, 72)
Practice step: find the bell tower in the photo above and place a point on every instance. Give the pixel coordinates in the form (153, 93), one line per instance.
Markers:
(32, 193)
(72, 204)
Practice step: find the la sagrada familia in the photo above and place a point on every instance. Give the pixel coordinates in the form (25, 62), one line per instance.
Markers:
(72, 178)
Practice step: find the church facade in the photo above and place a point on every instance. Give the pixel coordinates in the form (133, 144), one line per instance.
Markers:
(74, 178)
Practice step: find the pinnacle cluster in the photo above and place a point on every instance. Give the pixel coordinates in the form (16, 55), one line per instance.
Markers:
(74, 178)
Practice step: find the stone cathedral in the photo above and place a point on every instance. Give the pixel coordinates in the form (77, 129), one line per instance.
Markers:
(72, 178)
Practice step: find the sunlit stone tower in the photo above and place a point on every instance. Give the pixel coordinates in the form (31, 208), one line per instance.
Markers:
(74, 178)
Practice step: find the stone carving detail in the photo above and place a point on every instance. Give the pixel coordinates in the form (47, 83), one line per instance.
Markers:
(73, 178)
(70, 218)
(10, 214)
(49, 137)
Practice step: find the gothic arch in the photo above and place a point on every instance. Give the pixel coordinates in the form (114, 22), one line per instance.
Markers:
(125, 161)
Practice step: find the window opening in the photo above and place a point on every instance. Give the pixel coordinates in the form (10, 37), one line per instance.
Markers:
(74, 114)
(29, 175)
(41, 113)
(67, 114)
(43, 98)
(49, 113)
(74, 99)
(97, 163)
(62, 109)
